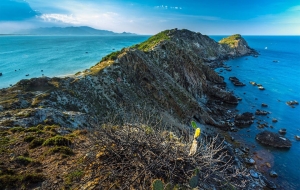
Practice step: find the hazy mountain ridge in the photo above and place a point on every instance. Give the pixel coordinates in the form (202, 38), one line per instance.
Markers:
(81, 30)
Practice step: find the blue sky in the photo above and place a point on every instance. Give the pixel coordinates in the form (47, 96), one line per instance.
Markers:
(211, 17)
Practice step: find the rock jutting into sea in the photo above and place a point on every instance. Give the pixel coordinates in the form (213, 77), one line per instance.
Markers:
(168, 74)
(273, 139)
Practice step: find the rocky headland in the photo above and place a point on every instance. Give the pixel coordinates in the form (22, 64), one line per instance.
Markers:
(169, 74)
(167, 80)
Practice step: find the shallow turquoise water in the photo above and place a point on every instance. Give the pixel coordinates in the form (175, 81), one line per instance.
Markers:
(55, 55)
(281, 81)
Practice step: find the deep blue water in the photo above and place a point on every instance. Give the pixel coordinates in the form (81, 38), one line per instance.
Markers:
(55, 55)
(62, 55)
(281, 81)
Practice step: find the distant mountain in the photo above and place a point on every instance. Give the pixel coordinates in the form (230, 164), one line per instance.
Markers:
(81, 30)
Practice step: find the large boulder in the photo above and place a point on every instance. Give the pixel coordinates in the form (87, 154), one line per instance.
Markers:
(244, 119)
(273, 139)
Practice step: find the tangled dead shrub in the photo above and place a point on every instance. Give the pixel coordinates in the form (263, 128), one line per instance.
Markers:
(132, 156)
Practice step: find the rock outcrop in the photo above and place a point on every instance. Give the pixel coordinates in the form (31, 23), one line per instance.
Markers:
(168, 75)
(273, 139)
(244, 119)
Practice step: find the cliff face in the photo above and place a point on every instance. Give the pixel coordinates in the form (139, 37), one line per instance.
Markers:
(170, 78)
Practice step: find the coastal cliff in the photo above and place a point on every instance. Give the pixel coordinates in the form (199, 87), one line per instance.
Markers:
(123, 123)
(169, 74)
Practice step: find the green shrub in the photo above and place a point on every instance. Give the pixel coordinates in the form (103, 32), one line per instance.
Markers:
(157, 184)
(194, 181)
(153, 41)
(61, 149)
(33, 129)
(36, 142)
(40, 126)
(231, 40)
(75, 175)
(52, 128)
(29, 138)
(4, 141)
(16, 129)
(111, 56)
(3, 133)
(9, 181)
(23, 160)
(57, 141)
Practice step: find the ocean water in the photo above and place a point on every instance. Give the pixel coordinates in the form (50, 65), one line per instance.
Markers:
(281, 80)
(55, 55)
(63, 55)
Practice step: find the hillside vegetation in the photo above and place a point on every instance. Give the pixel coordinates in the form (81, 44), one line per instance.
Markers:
(153, 41)
(129, 156)
(231, 40)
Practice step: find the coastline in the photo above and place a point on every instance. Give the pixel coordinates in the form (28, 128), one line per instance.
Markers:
(70, 89)
(267, 159)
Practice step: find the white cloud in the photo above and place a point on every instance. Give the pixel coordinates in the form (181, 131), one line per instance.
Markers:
(167, 7)
(70, 19)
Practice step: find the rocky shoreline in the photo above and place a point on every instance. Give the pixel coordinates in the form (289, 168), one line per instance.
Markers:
(258, 160)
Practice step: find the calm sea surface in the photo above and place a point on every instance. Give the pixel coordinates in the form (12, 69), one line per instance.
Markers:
(61, 55)
(281, 81)
(55, 55)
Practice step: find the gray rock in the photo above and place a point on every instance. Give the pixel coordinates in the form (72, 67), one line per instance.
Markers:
(268, 183)
(254, 174)
(282, 131)
(273, 173)
(244, 119)
(249, 161)
(273, 139)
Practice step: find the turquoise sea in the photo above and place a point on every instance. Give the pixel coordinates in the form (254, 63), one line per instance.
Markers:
(63, 55)
(55, 55)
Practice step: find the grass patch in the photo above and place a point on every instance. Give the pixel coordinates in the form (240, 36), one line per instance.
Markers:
(74, 176)
(36, 143)
(16, 129)
(29, 138)
(52, 128)
(4, 141)
(39, 98)
(34, 130)
(79, 132)
(62, 150)
(4, 133)
(153, 41)
(112, 56)
(57, 141)
(16, 181)
(23, 160)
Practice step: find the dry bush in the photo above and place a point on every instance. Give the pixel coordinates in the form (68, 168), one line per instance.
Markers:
(133, 155)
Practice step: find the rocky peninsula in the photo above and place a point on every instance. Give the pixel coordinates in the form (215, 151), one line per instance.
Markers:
(159, 85)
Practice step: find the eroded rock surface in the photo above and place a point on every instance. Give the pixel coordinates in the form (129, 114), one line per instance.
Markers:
(170, 76)
(273, 139)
